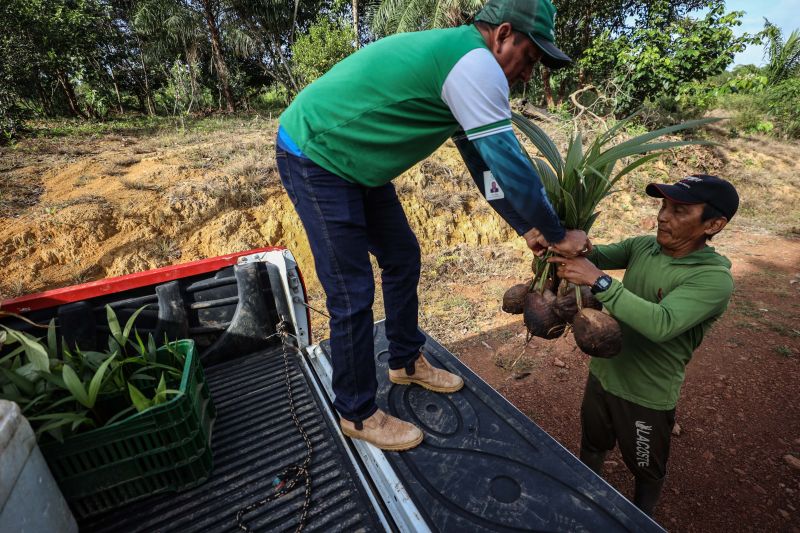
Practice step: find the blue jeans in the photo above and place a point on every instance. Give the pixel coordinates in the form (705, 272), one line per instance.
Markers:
(345, 222)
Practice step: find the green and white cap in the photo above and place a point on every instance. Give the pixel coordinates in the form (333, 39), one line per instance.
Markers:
(535, 18)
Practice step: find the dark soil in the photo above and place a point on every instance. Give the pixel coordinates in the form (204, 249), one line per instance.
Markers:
(739, 412)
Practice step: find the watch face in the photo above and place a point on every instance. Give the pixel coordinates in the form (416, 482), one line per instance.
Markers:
(604, 282)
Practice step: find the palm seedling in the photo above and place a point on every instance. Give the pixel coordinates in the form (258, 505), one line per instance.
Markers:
(575, 185)
(68, 390)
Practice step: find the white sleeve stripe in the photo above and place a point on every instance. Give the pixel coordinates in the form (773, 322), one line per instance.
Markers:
(486, 133)
(476, 90)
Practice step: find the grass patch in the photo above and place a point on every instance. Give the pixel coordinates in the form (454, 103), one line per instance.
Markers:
(450, 303)
(229, 193)
(746, 309)
(784, 351)
(140, 186)
(436, 169)
(517, 359)
(140, 150)
(741, 324)
(13, 289)
(253, 165)
(144, 126)
(51, 209)
(127, 161)
(167, 249)
(139, 125)
(82, 277)
(782, 329)
(82, 180)
(445, 200)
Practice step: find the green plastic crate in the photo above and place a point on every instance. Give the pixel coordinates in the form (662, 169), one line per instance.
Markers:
(165, 448)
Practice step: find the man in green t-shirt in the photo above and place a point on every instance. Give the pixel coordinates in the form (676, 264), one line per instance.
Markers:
(366, 121)
(675, 286)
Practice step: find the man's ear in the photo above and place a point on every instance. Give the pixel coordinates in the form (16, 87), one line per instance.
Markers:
(715, 225)
(503, 32)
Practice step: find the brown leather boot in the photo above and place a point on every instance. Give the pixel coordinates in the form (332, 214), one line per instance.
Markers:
(384, 431)
(430, 377)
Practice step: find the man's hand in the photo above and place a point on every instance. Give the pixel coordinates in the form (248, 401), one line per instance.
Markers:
(577, 270)
(574, 243)
(535, 241)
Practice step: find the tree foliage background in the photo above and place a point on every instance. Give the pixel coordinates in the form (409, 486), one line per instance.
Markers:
(102, 59)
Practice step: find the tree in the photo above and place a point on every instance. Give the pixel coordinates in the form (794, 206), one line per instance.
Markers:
(265, 30)
(578, 24)
(316, 51)
(170, 23)
(70, 44)
(166, 30)
(783, 57)
(660, 56)
(397, 16)
(355, 22)
(16, 73)
(210, 8)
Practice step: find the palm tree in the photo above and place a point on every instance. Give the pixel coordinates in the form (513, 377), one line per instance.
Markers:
(169, 23)
(783, 58)
(165, 28)
(396, 16)
(210, 10)
(264, 30)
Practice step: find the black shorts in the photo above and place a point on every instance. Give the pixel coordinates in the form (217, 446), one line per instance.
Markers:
(643, 434)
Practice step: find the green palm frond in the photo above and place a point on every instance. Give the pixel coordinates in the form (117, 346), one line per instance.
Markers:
(783, 57)
(577, 183)
(541, 140)
(398, 16)
(242, 42)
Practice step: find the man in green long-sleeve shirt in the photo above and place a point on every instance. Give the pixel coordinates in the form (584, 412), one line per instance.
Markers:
(675, 286)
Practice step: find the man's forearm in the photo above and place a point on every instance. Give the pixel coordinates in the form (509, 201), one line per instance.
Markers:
(682, 309)
(519, 183)
(477, 169)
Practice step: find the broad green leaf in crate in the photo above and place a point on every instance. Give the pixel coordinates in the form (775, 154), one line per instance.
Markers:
(162, 443)
(36, 353)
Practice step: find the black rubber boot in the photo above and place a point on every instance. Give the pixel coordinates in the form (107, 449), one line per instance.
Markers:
(593, 460)
(646, 495)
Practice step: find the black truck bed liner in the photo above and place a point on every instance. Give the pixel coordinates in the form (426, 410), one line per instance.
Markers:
(255, 438)
(485, 466)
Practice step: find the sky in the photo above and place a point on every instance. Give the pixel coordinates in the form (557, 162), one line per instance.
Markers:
(783, 13)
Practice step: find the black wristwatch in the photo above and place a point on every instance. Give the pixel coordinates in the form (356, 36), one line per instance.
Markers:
(601, 284)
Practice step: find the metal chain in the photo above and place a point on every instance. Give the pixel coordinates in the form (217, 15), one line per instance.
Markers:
(290, 476)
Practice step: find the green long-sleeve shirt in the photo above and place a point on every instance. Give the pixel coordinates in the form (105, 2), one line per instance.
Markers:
(664, 307)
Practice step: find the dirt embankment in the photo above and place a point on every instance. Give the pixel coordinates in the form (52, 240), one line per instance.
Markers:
(115, 205)
(80, 208)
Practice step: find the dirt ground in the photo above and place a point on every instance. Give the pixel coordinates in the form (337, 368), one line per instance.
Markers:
(87, 206)
(739, 410)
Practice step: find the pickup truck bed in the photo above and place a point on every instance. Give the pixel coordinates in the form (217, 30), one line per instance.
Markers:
(483, 465)
(255, 438)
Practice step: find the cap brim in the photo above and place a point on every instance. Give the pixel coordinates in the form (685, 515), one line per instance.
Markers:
(671, 192)
(552, 57)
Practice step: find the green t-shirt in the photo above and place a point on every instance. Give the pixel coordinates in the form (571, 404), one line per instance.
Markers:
(394, 102)
(664, 306)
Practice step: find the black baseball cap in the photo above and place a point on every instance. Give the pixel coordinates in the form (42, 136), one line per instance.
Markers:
(534, 18)
(700, 189)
